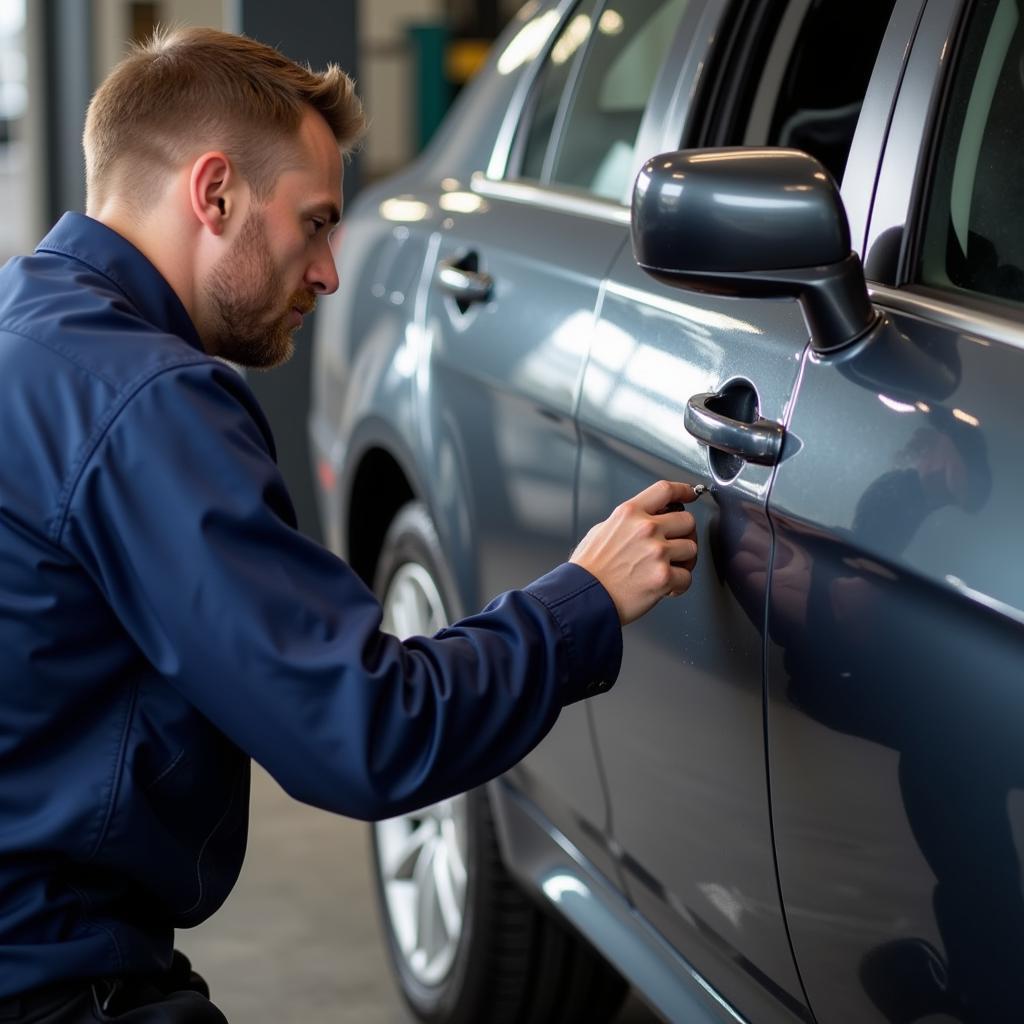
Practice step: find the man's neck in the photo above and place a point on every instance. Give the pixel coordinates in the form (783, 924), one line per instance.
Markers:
(157, 241)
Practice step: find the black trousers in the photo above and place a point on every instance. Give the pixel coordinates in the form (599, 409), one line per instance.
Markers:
(178, 997)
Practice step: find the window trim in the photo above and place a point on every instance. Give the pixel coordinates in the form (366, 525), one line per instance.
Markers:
(773, 74)
(921, 196)
(672, 104)
(732, 67)
(567, 101)
(994, 309)
(864, 164)
(907, 137)
(498, 165)
(551, 197)
(976, 319)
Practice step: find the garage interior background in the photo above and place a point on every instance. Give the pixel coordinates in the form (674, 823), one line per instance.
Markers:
(409, 58)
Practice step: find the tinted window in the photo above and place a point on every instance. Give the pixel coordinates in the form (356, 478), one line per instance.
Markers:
(809, 92)
(591, 95)
(974, 229)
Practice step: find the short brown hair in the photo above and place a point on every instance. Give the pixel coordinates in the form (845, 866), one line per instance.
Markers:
(186, 90)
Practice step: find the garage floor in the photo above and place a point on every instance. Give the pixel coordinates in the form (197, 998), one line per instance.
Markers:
(298, 940)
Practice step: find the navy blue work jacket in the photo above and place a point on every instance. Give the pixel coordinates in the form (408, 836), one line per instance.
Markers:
(162, 621)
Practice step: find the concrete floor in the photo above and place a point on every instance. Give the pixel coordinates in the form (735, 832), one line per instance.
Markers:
(298, 940)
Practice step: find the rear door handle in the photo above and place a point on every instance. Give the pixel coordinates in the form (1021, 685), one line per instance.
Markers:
(760, 441)
(465, 284)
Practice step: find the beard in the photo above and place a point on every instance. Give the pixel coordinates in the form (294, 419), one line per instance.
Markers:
(243, 297)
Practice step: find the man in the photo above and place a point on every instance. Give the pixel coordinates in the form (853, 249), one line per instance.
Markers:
(162, 621)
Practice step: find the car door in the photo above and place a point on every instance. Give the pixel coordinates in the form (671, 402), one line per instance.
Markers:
(681, 738)
(896, 622)
(509, 319)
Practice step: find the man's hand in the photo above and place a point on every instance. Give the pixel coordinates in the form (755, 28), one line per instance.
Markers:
(641, 553)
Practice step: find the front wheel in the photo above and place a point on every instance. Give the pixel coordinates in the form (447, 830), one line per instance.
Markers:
(466, 944)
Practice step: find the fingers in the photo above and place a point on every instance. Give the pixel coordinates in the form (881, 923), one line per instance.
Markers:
(681, 551)
(655, 498)
(643, 552)
(677, 524)
(681, 580)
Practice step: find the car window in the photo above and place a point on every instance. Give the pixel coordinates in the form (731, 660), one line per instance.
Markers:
(550, 86)
(811, 84)
(973, 235)
(589, 142)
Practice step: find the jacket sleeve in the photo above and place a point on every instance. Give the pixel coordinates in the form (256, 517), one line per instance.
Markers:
(182, 518)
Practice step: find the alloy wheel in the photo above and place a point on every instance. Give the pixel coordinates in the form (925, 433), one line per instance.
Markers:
(421, 856)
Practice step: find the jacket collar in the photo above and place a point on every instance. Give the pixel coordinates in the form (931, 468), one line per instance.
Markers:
(110, 254)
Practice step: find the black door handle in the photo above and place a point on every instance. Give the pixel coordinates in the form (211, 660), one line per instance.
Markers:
(759, 441)
(463, 281)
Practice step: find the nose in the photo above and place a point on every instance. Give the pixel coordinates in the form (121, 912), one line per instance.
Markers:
(322, 276)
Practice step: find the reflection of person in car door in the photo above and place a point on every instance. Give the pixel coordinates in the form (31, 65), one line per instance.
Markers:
(959, 757)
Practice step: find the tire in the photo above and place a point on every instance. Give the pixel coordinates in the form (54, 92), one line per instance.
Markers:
(499, 959)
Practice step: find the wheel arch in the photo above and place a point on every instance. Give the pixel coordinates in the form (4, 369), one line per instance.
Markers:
(380, 487)
(381, 472)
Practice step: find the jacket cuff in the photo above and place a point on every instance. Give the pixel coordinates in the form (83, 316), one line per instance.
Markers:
(590, 627)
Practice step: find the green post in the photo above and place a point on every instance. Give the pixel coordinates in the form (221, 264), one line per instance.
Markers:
(433, 91)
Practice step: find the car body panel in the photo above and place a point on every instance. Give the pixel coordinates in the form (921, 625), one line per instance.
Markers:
(682, 737)
(839, 689)
(688, 792)
(895, 682)
(506, 399)
(367, 324)
(548, 864)
(896, 632)
(501, 401)
(385, 261)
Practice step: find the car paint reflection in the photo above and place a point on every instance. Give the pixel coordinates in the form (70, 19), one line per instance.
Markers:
(915, 751)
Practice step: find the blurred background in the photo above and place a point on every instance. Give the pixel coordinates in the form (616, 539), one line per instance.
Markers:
(298, 940)
(409, 57)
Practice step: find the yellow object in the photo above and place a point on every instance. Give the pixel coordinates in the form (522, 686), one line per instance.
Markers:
(464, 58)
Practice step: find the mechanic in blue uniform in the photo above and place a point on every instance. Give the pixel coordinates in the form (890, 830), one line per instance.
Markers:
(162, 621)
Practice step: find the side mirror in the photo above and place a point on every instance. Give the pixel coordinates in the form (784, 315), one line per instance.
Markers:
(749, 222)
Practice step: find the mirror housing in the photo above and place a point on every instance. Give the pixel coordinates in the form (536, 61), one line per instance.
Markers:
(745, 222)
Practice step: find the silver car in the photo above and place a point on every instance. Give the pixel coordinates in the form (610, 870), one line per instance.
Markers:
(626, 257)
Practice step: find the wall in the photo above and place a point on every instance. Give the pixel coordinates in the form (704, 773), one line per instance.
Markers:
(387, 78)
(111, 19)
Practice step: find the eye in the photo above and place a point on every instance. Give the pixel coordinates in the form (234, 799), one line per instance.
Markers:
(318, 223)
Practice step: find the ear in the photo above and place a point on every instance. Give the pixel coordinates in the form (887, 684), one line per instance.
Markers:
(212, 190)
